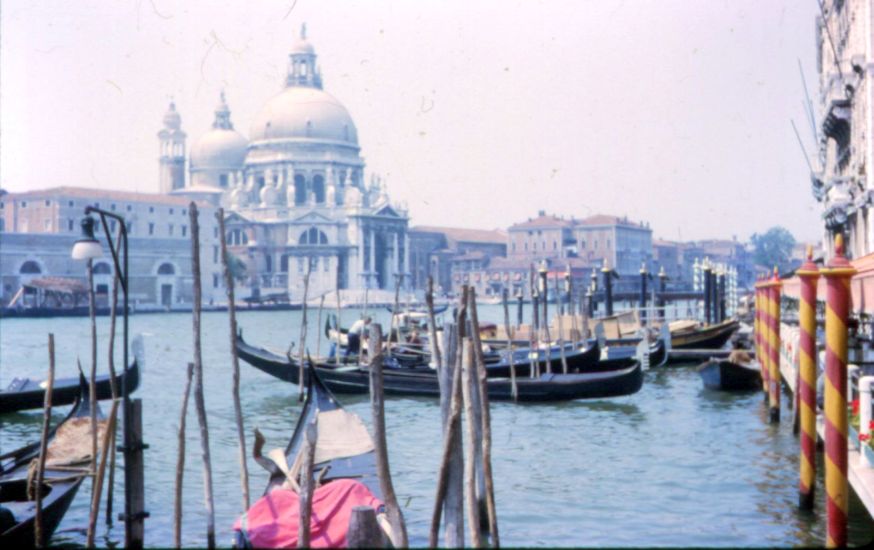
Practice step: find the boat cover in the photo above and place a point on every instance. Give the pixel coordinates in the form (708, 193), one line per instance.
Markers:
(272, 522)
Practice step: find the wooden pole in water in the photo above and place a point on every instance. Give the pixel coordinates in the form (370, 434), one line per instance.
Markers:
(764, 335)
(452, 430)
(339, 322)
(432, 323)
(774, 379)
(470, 444)
(113, 386)
(510, 351)
(92, 379)
(479, 366)
(364, 530)
(180, 461)
(98, 479)
(561, 351)
(377, 404)
(837, 276)
(235, 359)
(571, 307)
(394, 311)
(39, 541)
(453, 504)
(319, 326)
(303, 329)
(199, 401)
(307, 484)
(809, 275)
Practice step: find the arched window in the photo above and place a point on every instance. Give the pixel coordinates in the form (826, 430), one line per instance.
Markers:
(237, 237)
(312, 236)
(30, 267)
(319, 188)
(300, 190)
(166, 269)
(102, 269)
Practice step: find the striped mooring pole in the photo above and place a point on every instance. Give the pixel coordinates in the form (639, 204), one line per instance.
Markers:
(809, 275)
(774, 289)
(764, 331)
(837, 275)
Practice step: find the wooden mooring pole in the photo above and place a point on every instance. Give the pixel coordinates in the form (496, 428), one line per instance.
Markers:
(199, 401)
(307, 484)
(113, 386)
(510, 351)
(39, 539)
(235, 359)
(837, 276)
(303, 329)
(485, 439)
(101, 470)
(809, 275)
(180, 461)
(453, 504)
(377, 404)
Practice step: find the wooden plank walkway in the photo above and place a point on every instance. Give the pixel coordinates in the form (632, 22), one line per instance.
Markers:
(861, 477)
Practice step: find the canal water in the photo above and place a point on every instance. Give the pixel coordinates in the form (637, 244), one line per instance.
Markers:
(673, 465)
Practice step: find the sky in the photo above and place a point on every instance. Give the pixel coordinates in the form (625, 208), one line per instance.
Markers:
(475, 113)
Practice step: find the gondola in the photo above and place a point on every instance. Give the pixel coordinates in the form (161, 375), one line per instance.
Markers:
(27, 393)
(625, 377)
(402, 310)
(344, 452)
(17, 511)
(658, 353)
(729, 376)
(709, 337)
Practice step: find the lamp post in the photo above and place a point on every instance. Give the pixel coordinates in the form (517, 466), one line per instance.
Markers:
(88, 248)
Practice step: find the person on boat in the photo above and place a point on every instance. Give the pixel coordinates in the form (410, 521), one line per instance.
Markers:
(414, 338)
(356, 332)
(739, 355)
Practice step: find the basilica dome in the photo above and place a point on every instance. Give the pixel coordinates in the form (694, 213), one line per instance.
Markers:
(302, 112)
(222, 147)
(219, 148)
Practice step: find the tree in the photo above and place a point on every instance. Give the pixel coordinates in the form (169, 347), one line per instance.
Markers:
(774, 248)
(237, 268)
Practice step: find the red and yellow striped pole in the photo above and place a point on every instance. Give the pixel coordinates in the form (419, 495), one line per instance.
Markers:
(837, 275)
(809, 275)
(762, 316)
(773, 291)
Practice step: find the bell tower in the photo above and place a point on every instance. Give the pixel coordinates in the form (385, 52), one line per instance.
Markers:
(172, 151)
(302, 69)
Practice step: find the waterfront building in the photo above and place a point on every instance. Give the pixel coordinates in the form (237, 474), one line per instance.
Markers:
(843, 170)
(444, 252)
(295, 191)
(38, 229)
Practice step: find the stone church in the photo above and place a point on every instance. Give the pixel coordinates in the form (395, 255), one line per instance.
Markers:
(294, 191)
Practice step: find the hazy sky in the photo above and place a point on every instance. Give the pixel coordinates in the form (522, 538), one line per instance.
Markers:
(475, 113)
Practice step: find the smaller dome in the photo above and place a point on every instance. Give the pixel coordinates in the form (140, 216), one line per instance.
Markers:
(302, 47)
(219, 149)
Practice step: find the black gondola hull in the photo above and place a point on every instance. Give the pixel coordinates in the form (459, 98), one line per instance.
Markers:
(625, 377)
(28, 394)
(728, 376)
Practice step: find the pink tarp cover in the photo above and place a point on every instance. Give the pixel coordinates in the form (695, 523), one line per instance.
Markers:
(272, 521)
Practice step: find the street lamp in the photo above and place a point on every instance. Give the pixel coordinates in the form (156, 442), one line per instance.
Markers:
(88, 248)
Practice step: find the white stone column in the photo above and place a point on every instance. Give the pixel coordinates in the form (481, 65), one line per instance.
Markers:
(407, 262)
(361, 268)
(371, 272)
(395, 255)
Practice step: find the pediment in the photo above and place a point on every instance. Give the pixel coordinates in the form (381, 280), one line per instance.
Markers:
(313, 217)
(387, 212)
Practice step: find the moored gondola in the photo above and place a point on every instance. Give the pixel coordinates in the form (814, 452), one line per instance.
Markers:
(624, 377)
(344, 467)
(708, 337)
(61, 482)
(729, 376)
(27, 393)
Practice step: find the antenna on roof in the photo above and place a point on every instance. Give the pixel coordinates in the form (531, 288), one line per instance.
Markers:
(800, 144)
(807, 105)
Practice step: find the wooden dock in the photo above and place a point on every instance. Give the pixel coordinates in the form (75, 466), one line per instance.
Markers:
(860, 476)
